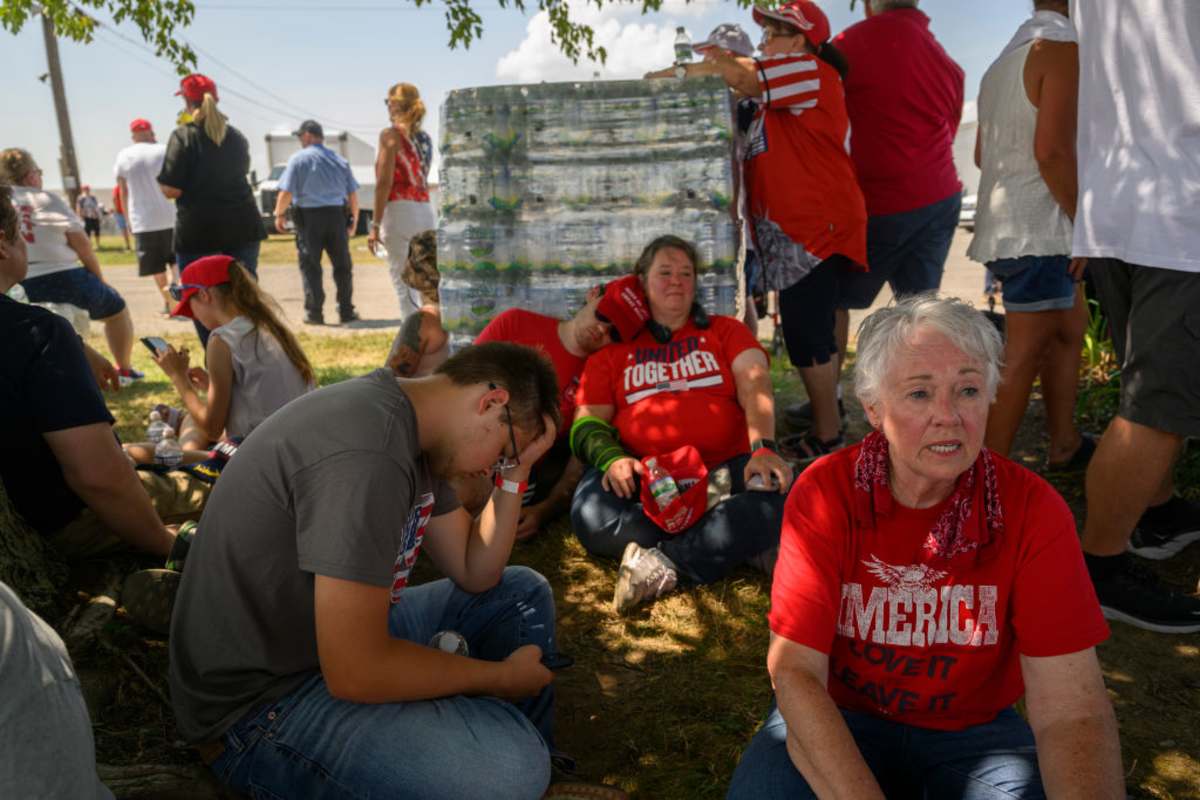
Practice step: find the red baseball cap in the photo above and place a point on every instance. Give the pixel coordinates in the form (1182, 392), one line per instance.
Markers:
(195, 86)
(805, 15)
(203, 272)
(140, 124)
(624, 307)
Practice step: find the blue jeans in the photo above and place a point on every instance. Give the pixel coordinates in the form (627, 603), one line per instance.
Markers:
(907, 251)
(736, 530)
(309, 744)
(246, 254)
(993, 761)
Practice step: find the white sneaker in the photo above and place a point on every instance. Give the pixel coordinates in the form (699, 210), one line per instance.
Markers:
(645, 574)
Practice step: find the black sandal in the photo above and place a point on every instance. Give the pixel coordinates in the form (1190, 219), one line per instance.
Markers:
(1079, 460)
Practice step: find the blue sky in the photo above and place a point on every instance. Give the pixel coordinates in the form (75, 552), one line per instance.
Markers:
(278, 61)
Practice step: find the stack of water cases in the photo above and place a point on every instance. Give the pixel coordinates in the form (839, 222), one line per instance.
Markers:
(550, 188)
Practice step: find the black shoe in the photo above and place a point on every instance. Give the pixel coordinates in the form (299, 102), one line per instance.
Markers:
(1166, 529)
(314, 319)
(351, 317)
(1133, 595)
(799, 415)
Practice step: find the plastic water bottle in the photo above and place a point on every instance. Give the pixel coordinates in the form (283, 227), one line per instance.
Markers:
(663, 488)
(156, 428)
(450, 642)
(683, 46)
(168, 452)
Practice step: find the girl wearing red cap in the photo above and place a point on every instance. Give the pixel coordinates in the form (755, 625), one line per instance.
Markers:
(204, 172)
(806, 210)
(255, 365)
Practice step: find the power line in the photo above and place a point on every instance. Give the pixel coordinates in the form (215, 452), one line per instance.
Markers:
(296, 109)
(288, 108)
(251, 110)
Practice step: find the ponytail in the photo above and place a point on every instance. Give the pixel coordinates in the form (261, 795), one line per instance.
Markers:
(262, 310)
(214, 120)
(835, 58)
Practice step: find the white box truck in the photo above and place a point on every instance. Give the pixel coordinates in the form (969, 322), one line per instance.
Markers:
(280, 146)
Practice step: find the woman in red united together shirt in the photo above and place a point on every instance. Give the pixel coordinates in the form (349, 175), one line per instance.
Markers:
(924, 585)
(675, 377)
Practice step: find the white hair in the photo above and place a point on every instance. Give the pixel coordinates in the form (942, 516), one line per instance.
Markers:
(882, 334)
(880, 6)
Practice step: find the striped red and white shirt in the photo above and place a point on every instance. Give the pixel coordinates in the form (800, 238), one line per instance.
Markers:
(798, 168)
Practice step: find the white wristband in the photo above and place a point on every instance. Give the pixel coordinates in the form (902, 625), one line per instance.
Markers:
(512, 487)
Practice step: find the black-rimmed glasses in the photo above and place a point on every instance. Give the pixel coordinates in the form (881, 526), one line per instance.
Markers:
(506, 462)
(176, 290)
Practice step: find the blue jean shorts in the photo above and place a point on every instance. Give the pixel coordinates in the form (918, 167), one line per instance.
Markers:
(1035, 283)
(79, 288)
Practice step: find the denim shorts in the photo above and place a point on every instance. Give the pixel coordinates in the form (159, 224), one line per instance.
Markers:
(1035, 283)
(79, 288)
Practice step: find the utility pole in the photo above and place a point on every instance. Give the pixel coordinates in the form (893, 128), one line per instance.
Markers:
(66, 160)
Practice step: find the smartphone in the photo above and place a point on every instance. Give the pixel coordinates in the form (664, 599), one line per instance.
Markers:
(155, 344)
(557, 661)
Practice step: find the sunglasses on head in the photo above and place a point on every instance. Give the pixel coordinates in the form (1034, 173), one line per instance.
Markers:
(176, 290)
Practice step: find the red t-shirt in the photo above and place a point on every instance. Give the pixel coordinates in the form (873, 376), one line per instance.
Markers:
(669, 395)
(916, 638)
(798, 169)
(905, 98)
(541, 332)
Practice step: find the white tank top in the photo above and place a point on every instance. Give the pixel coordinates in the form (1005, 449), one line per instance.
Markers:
(1016, 215)
(264, 378)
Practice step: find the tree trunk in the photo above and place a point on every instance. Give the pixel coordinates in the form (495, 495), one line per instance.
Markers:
(27, 563)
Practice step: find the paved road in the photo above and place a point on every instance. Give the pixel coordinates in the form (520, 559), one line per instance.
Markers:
(376, 301)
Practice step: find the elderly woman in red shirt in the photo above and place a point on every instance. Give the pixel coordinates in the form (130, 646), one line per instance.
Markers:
(806, 210)
(924, 585)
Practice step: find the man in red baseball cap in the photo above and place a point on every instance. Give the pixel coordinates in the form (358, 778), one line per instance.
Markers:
(149, 215)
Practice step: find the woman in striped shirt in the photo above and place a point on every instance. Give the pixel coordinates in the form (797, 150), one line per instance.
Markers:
(806, 209)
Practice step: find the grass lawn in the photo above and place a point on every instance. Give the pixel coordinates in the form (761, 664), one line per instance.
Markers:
(662, 703)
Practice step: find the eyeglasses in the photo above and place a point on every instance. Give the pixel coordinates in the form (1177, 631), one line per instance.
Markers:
(768, 34)
(176, 290)
(506, 462)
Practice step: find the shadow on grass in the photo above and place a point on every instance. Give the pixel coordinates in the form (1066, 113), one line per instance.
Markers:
(660, 703)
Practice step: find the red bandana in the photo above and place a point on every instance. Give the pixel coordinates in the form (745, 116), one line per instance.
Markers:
(951, 534)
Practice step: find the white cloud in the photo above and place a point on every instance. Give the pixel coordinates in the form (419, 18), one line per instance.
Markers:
(634, 45)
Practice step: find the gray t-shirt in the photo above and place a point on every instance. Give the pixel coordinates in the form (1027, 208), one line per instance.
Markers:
(333, 484)
(48, 749)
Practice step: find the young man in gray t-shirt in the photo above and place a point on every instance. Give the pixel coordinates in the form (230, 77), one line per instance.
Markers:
(300, 663)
